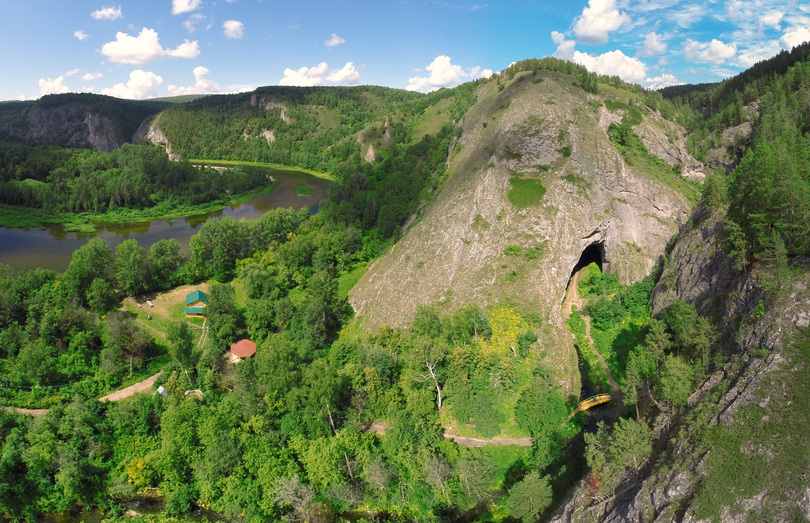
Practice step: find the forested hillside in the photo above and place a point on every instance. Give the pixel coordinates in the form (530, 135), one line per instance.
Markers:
(334, 421)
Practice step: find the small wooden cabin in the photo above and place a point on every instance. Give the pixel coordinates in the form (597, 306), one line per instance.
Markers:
(195, 304)
(242, 349)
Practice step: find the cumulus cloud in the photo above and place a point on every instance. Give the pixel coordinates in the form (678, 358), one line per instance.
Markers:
(72, 72)
(320, 74)
(107, 13)
(53, 86)
(714, 52)
(597, 20)
(88, 77)
(794, 36)
(334, 40)
(565, 48)
(142, 84)
(144, 48)
(653, 45)
(476, 73)
(613, 63)
(201, 84)
(81, 35)
(233, 29)
(664, 80)
(184, 6)
(442, 74)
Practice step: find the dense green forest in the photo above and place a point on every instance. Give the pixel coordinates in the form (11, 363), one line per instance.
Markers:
(328, 420)
(134, 177)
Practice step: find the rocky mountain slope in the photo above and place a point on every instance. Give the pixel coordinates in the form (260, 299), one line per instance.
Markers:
(76, 120)
(534, 182)
(741, 443)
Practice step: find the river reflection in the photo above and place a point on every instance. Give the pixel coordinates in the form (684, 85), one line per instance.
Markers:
(52, 246)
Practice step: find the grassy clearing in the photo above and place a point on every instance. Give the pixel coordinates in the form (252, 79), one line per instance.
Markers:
(348, 280)
(275, 166)
(525, 193)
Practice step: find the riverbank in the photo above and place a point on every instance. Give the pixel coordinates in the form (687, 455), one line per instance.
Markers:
(274, 166)
(14, 217)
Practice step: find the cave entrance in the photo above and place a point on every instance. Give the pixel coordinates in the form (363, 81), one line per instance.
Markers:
(593, 253)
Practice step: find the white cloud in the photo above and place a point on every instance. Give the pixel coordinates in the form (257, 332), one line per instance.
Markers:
(53, 86)
(688, 15)
(597, 20)
(565, 48)
(81, 35)
(71, 72)
(319, 74)
(107, 13)
(476, 73)
(653, 45)
(144, 48)
(794, 36)
(613, 63)
(184, 6)
(88, 77)
(142, 84)
(714, 52)
(193, 21)
(348, 75)
(442, 74)
(201, 84)
(334, 40)
(664, 80)
(233, 29)
(773, 19)
(762, 51)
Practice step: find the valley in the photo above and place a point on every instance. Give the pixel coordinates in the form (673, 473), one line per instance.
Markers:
(486, 258)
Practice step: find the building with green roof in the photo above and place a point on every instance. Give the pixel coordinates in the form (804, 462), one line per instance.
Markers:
(195, 304)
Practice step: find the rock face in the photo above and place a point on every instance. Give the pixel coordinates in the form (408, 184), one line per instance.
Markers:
(150, 130)
(545, 133)
(68, 126)
(700, 272)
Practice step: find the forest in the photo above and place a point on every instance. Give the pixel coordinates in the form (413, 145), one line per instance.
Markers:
(330, 421)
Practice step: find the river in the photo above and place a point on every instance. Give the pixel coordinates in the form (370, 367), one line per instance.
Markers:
(52, 247)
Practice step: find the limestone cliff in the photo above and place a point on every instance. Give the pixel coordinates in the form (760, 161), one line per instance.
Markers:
(540, 132)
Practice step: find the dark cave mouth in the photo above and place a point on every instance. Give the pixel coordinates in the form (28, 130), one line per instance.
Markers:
(593, 253)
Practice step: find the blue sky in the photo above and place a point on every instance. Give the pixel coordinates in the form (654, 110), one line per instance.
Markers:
(148, 48)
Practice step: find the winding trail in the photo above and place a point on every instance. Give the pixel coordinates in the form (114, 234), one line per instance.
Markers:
(379, 428)
(141, 386)
(572, 299)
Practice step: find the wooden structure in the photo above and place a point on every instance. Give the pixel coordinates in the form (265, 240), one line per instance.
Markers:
(195, 304)
(242, 349)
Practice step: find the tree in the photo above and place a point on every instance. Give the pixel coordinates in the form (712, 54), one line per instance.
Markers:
(101, 296)
(89, 262)
(181, 343)
(676, 380)
(530, 497)
(129, 267)
(163, 261)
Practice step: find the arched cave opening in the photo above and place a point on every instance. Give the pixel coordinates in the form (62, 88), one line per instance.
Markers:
(593, 253)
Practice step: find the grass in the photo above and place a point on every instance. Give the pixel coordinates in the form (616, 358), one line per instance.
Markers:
(348, 280)
(766, 449)
(632, 115)
(525, 193)
(303, 190)
(276, 166)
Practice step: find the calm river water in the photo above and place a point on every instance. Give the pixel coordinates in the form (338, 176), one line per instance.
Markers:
(53, 247)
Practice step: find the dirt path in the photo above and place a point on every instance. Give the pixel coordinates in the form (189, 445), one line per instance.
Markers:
(572, 299)
(141, 386)
(379, 428)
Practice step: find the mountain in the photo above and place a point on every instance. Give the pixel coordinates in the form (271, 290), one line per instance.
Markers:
(535, 187)
(76, 120)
